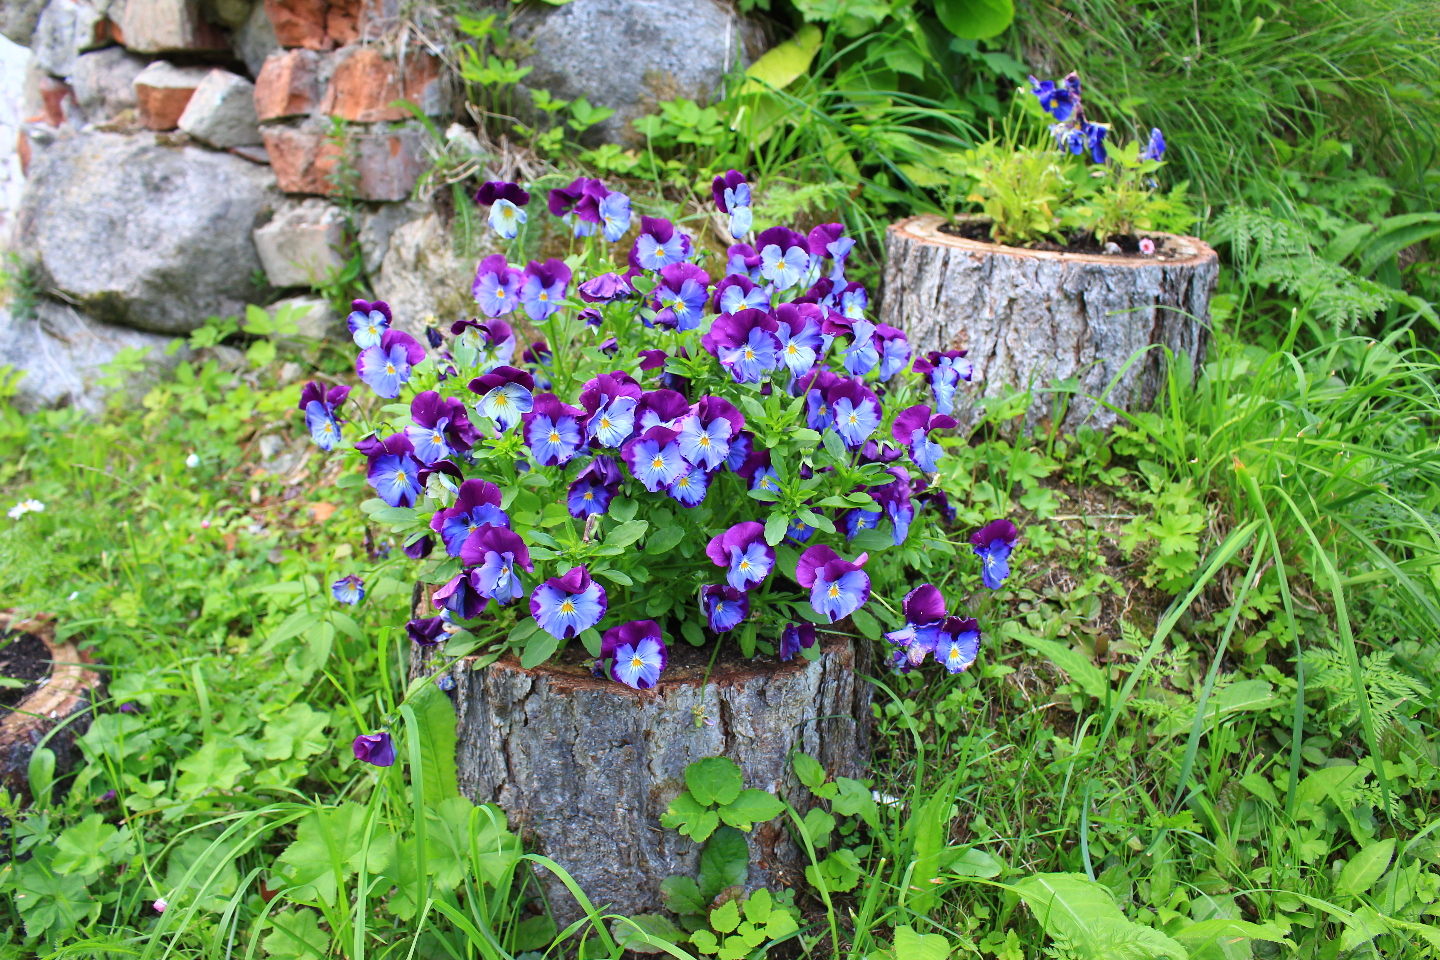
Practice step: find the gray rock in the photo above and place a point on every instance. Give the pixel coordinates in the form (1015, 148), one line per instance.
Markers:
(103, 82)
(254, 40)
(315, 316)
(629, 54)
(65, 30)
(144, 235)
(304, 244)
(62, 352)
(378, 224)
(18, 19)
(221, 111)
(422, 275)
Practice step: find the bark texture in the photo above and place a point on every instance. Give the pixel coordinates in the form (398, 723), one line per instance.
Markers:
(585, 768)
(1028, 317)
(65, 694)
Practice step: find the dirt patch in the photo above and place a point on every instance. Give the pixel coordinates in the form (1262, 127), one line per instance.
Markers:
(1076, 242)
(23, 656)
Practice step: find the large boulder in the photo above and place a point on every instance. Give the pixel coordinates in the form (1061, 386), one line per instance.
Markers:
(423, 275)
(630, 54)
(148, 236)
(103, 82)
(61, 354)
(67, 29)
(18, 19)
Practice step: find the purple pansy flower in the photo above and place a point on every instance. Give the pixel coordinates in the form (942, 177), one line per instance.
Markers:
(797, 328)
(854, 301)
(385, 367)
(367, 321)
(741, 446)
(706, 433)
(742, 550)
(461, 596)
(737, 292)
(912, 429)
(569, 605)
(441, 427)
(638, 649)
(476, 504)
(497, 286)
(348, 590)
(758, 473)
(680, 296)
(654, 458)
(894, 350)
(419, 548)
(744, 343)
(611, 400)
(544, 288)
(505, 395)
(1054, 100)
(861, 356)
(605, 288)
(957, 643)
(923, 609)
(743, 261)
(856, 410)
(993, 543)
(944, 371)
(660, 244)
(496, 552)
(784, 256)
(794, 638)
(859, 519)
(724, 606)
(492, 342)
(393, 471)
(662, 408)
(690, 487)
(732, 196)
(615, 215)
(1155, 148)
(814, 387)
(828, 241)
(426, 631)
(896, 503)
(505, 201)
(593, 488)
(374, 748)
(552, 430)
(319, 406)
(563, 202)
(837, 587)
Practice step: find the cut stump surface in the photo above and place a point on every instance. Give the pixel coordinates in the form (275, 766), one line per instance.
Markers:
(1034, 316)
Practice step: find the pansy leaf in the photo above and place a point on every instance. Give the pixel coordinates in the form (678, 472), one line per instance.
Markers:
(714, 780)
(627, 533)
(690, 817)
(692, 633)
(866, 624)
(681, 895)
(725, 862)
(664, 539)
(539, 648)
(752, 806)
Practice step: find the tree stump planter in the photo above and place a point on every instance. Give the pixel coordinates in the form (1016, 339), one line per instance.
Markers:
(584, 768)
(60, 688)
(1033, 316)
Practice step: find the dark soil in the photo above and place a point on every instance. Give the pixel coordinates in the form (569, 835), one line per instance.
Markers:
(23, 656)
(1078, 242)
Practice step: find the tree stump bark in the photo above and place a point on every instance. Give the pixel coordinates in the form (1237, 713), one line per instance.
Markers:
(1028, 317)
(584, 768)
(64, 690)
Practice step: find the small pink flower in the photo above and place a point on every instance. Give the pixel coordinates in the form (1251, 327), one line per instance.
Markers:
(160, 905)
(1147, 246)
(204, 524)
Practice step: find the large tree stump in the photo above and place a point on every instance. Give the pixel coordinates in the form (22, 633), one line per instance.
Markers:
(64, 689)
(584, 768)
(1028, 317)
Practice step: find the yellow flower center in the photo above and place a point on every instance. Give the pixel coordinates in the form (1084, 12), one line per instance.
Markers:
(657, 463)
(834, 590)
(704, 440)
(499, 294)
(390, 368)
(749, 354)
(554, 437)
(744, 564)
(604, 423)
(590, 495)
(501, 400)
(567, 606)
(636, 662)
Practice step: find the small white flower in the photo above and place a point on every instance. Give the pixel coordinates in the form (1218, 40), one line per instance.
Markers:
(23, 507)
(74, 594)
(192, 461)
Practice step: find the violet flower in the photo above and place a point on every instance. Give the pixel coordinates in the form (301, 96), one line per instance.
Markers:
(638, 649)
(732, 196)
(610, 400)
(854, 301)
(794, 638)
(944, 371)
(797, 329)
(506, 395)
(461, 596)
(476, 504)
(385, 367)
(993, 544)
(814, 387)
(856, 410)
(680, 296)
(568, 605)
(605, 288)
(894, 350)
(319, 406)
(375, 749)
(544, 288)
(427, 631)
(1155, 148)
(744, 343)
(1054, 100)
(593, 488)
(706, 433)
(440, 427)
(912, 429)
(496, 552)
(837, 587)
(660, 244)
(420, 547)
(662, 408)
(736, 292)
(690, 487)
(497, 286)
(505, 201)
(492, 341)
(724, 606)
(957, 643)
(861, 356)
(367, 321)
(742, 550)
(828, 241)
(758, 473)
(923, 609)
(348, 590)
(741, 446)
(394, 472)
(562, 202)
(552, 430)
(784, 256)
(743, 261)
(654, 458)
(895, 502)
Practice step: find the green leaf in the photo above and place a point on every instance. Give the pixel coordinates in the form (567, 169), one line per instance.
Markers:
(809, 770)
(40, 774)
(296, 935)
(752, 806)
(692, 633)
(681, 895)
(89, 846)
(714, 780)
(1222, 932)
(970, 862)
(1237, 698)
(623, 509)
(48, 902)
(690, 818)
(1083, 915)
(662, 540)
(210, 769)
(920, 946)
(210, 868)
(866, 624)
(298, 733)
(725, 862)
(627, 533)
(775, 526)
(975, 19)
(1077, 665)
(539, 648)
(818, 826)
(725, 918)
(435, 715)
(639, 934)
(1361, 873)
(327, 849)
(758, 906)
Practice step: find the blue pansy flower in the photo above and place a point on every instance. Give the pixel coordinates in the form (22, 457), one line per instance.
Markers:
(367, 321)
(993, 543)
(568, 605)
(348, 590)
(724, 606)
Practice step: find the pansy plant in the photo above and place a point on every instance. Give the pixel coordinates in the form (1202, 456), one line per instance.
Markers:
(703, 448)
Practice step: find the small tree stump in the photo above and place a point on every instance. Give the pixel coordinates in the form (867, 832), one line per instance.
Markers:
(584, 768)
(1033, 316)
(63, 689)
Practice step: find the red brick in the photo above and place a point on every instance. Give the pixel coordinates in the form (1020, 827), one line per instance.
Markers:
(303, 160)
(300, 23)
(365, 84)
(287, 85)
(383, 166)
(53, 94)
(342, 21)
(162, 92)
